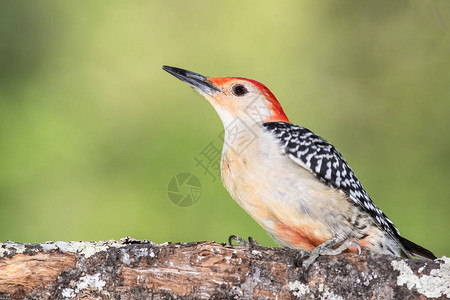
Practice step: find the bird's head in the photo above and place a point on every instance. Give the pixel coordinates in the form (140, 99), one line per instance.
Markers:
(234, 97)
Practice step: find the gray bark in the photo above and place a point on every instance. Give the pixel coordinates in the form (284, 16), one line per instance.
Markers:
(131, 269)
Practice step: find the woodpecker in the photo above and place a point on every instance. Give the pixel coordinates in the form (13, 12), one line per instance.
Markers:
(293, 183)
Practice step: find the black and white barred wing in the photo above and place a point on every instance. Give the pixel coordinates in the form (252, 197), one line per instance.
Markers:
(319, 157)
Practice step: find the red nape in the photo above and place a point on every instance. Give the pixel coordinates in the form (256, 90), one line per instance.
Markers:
(278, 113)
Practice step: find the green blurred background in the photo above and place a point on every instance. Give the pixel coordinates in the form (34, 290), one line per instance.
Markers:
(92, 130)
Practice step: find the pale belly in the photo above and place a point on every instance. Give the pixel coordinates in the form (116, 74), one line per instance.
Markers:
(288, 201)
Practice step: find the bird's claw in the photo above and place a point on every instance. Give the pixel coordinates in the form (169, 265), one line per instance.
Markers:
(253, 242)
(250, 244)
(238, 240)
(300, 263)
(357, 247)
(323, 249)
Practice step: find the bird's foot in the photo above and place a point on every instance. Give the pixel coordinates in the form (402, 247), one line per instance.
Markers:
(323, 249)
(250, 244)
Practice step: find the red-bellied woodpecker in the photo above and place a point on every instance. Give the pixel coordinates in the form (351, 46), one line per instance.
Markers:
(294, 183)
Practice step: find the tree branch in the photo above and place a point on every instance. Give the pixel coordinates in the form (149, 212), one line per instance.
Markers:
(132, 269)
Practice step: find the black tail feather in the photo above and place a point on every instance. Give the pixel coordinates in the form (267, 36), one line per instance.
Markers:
(416, 250)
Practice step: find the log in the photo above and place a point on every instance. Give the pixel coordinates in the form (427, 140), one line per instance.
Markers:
(133, 269)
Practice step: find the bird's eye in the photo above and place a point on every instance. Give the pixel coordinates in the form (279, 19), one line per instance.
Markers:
(239, 90)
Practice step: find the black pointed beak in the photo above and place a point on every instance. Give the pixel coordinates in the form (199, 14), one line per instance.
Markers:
(195, 80)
